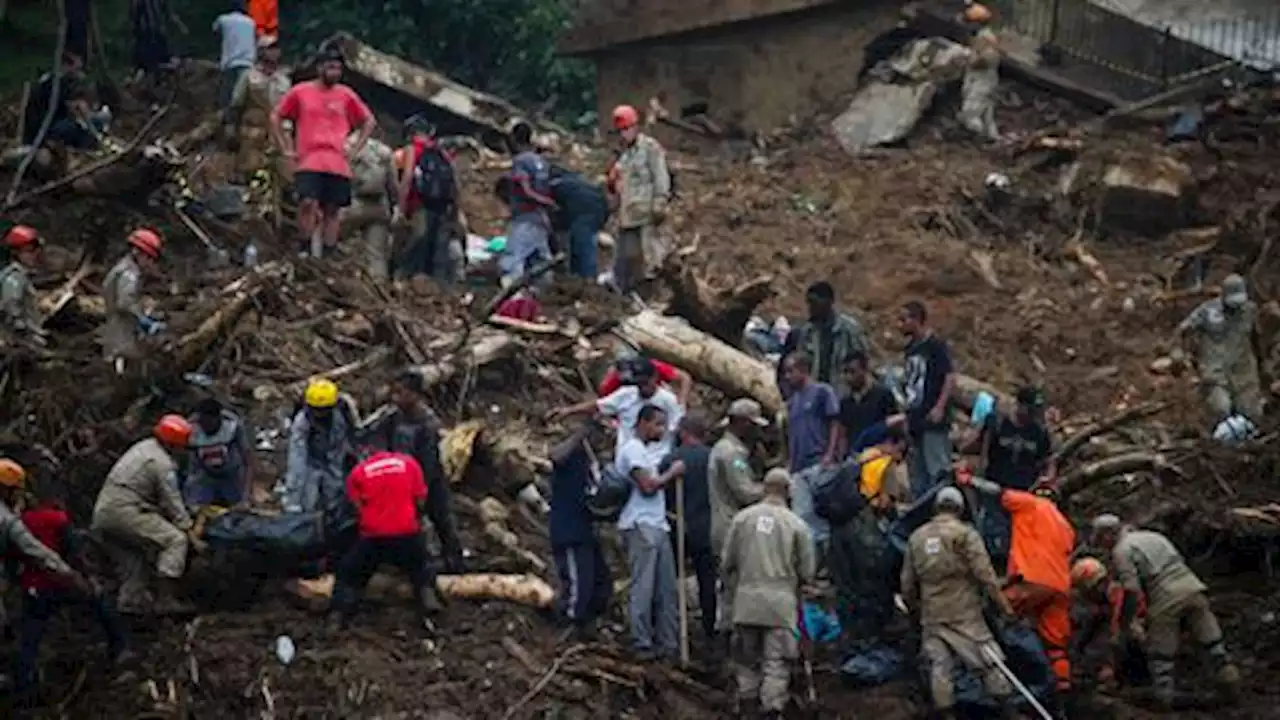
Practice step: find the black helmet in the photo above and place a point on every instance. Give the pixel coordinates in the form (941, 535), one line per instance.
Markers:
(330, 52)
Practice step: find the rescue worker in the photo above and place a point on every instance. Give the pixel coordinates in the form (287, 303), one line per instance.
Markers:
(644, 191)
(768, 555)
(413, 428)
(320, 444)
(861, 562)
(121, 289)
(1221, 330)
(1038, 583)
(388, 492)
(944, 576)
(221, 468)
(731, 483)
(1101, 600)
(1147, 562)
(139, 513)
(267, 76)
(17, 293)
(375, 191)
(14, 535)
(982, 76)
(831, 338)
(45, 592)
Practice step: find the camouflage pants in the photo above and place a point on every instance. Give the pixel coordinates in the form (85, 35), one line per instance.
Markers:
(370, 221)
(639, 253)
(942, 645)
(1164, 630)
(762, 659)
(1237, 390)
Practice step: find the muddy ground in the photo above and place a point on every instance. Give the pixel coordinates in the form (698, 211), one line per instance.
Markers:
(896, 225)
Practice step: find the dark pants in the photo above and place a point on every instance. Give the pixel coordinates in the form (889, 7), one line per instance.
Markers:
(862, 572)
(586, 585)
(703, 561)
(428, 254)
(36, 613)
(440, 512)
(582, 245)
(150, 49)
(72, 134)
(407, 552)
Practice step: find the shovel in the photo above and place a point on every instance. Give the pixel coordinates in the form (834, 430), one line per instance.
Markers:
(993, 657)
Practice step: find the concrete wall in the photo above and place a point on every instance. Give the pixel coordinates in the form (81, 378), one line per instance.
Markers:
(602, 23)
(754, 75)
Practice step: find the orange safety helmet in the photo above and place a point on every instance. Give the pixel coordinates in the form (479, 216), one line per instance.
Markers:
(625, 116)
(146, 241)
(1087, 572)
(173, 430)
(977, 13)
(12, 475)
(20, 236)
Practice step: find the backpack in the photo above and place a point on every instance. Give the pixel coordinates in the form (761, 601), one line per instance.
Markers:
(606, 498)
(433, 178)
(840, 498)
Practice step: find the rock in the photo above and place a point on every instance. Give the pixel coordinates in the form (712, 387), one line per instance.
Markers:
(1162, 365)
(1147, 194)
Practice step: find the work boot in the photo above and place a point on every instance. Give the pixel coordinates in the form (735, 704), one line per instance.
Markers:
(167, 600)
(430, 602)
(1229, 682)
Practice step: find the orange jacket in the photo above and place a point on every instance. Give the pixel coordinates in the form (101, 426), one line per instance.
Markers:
(1043, 539)
(266, 15)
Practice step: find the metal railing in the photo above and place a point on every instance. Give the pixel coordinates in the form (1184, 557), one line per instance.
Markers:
(1133, 57)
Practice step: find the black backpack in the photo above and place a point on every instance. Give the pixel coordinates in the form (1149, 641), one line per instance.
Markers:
(606, 498)
(839, 499)
(434, 179)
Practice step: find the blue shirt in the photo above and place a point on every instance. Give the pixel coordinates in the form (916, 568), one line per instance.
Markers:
(641, 509)
(531, 165)
(810, 412)
(569, 523)
(239, 41)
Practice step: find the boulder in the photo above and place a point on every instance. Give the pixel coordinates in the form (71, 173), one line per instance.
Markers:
(1148, 194)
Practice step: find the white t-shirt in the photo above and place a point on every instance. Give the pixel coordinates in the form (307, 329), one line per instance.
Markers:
(641, 509)
(625, 403)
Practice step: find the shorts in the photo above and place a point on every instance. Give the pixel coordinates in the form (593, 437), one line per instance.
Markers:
(331, 191)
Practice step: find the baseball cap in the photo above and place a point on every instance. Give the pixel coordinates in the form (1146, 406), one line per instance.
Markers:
(949, 496)
(1234, 291)
(777, 477)
(748, 409)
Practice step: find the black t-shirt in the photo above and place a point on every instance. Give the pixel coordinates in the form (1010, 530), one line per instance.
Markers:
(576, 197)
(857, 413)
(1016, 455)
(697, 498)
(928, 362)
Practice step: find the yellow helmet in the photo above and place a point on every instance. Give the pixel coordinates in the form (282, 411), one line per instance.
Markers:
(321, 393)
(1087, 572)
(11, 474)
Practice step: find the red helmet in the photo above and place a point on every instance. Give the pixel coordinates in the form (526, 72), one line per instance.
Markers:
(146, 241)
(20, 236)
(173, 430)
(625, 116)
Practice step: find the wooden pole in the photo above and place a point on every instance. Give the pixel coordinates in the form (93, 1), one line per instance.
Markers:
(684, 603)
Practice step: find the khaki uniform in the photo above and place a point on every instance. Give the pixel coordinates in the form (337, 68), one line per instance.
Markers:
(981, 80)
(373, 185)
(731, 486)
(18, 299)
(767, 555)
(947, 565)
(274, 85)
(1228, 367)
(140, 514)
(645, 188)
(1148, 562)
(121, 292)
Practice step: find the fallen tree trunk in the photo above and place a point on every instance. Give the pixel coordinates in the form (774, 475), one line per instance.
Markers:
(523, 589)
(706, 358)
(482, 348)
(1077, 441)
(1098, 470)
(721, 313)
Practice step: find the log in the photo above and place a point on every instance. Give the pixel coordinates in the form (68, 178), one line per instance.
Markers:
(1098, 470)
(194, 347)
(482, 348)
(721, 313)
(706, 358)
(523, 589)
(1075, 442)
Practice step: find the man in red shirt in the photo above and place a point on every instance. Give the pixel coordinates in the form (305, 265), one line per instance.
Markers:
(624, 370)
(428, 200)
(389, 494)
(44, 592)
(324, 112)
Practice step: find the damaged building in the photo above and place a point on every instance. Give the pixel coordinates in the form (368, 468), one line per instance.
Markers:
(750, 64)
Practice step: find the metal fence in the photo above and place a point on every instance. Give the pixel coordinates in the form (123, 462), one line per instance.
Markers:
(1136, 58)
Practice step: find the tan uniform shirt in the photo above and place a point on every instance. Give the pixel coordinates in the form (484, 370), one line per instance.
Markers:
(731, 485)
(768, 554)
(645, 183)
(373, 172)
(18, 298)
(1223, 338)
(948, 565)
(121, 293)
(1147, 561)
(144, 479)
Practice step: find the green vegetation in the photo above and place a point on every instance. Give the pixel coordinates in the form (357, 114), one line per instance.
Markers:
(504, 47)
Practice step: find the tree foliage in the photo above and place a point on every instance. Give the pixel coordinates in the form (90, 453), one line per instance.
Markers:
(504, 47)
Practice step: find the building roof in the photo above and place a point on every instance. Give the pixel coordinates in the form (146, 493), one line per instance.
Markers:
(605, 24)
